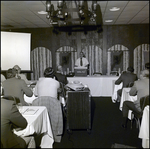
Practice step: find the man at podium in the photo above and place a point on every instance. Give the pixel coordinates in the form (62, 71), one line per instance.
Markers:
(81, 61)
(81, 65)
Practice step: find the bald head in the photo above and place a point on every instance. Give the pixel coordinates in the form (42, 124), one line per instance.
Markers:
(17, 68)
(59, 68)
(145, 73)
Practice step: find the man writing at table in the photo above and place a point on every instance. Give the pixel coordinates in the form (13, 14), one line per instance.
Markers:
(141, 89)
(11, 119)
(16, 87)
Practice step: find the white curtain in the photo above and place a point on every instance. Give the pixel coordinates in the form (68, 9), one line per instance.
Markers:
(41, 58)
(141, 56)
(115, 49)
(94, 55)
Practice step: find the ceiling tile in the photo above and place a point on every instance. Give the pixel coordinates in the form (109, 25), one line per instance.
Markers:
(27, 11)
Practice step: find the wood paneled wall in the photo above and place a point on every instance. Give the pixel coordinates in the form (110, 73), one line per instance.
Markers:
(128, 35)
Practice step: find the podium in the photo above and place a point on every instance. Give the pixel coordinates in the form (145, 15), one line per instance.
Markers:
(80, 71)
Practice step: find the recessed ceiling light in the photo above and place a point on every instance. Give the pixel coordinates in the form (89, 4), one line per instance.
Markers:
(42, 12)
(108, 21)
(114, 9)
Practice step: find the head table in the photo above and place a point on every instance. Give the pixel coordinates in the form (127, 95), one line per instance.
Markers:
(99, 85)
(38, 123)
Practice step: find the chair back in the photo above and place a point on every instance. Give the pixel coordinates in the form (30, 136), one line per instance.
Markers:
(54, 109)
(130, 84)
(15, 99)
(144, 101)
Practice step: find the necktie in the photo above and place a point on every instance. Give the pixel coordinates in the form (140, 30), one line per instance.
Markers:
(81, 62)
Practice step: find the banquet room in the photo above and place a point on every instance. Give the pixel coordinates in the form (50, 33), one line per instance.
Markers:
(111, 35)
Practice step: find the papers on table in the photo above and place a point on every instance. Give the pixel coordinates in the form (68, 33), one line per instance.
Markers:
(29, 111)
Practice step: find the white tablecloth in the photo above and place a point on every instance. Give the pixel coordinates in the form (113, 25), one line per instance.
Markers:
(125, 96)
(29, 99)
(98, 85)
(144, 129)
(114, 95)
(37, 123)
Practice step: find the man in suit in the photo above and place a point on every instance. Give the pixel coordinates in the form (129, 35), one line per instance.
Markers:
(11, 118)
(141, 89)
(63, 81)
(126, 78)
(16, 87)
(20, 75)
(60, 76)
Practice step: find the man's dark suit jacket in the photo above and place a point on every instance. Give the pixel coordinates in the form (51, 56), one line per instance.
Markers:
(17, 88)
(126, 78)
(11, 118)
(61, 78)
(63, 81)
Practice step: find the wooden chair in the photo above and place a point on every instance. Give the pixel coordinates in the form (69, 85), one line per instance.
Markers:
(144, 101)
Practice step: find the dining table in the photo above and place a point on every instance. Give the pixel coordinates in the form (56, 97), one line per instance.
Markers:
(126, 97)
(38, 123)
(144, 129)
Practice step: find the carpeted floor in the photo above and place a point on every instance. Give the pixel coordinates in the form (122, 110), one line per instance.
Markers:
(106, 129)
(121, 146)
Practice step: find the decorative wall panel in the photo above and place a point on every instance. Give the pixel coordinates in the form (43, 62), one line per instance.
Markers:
(41, 58)
(141, 56)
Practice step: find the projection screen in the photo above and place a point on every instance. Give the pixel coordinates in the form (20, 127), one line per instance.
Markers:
(15, 50)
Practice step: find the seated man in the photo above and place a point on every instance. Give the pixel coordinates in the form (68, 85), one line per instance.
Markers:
(126, 78)
(141, 89)
(60, 76)
(11, 119)
(16, 87)
(19, 75)
(63, 81)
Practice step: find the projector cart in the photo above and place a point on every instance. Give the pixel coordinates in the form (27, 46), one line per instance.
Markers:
(78, 110)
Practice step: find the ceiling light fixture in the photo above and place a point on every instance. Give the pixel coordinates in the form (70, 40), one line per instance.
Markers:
(114, 9)
(108, 21)
(42, 12)
(87, 19)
